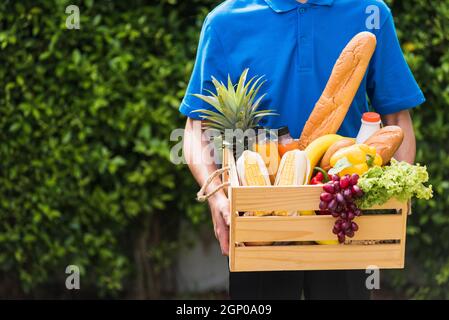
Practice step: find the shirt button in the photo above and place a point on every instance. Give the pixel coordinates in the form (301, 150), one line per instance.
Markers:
(302, 10)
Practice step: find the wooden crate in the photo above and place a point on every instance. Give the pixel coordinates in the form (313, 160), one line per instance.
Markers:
(385, 234)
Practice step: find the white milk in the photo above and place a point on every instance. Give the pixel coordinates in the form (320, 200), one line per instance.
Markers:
(370, 125)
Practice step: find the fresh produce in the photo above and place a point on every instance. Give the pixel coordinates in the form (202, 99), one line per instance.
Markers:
(357, 159)
(318, 148)
(399, 180)
(386, 141)
(253, 172)
(349, 70)
(325, 161)
(338, 198)
(293, 171)
(236, 107)
(320, 177)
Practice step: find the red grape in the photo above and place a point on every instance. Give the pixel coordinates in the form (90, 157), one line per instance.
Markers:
(339, 208)
(356, 191)
(347, 194)
(323, 205)
(336, 186)
(332, 205)
(351, 206)
(354, 179)
(349, 233)
(351, 215)
(345, 225)
(335, 177)
(344, 182)
(326, 197)
(329, 188)
(355, 226)
(340, 198)
(341, 237)
(335, 214)
(344, 215)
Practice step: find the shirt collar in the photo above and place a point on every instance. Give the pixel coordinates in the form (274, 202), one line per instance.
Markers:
(287, 5)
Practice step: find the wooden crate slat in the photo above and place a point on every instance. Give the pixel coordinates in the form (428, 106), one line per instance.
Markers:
(312, 228)
(285, 198)
(228, 160)
(316, 257)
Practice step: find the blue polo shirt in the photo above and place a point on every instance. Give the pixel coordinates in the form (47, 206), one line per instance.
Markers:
(295, 47)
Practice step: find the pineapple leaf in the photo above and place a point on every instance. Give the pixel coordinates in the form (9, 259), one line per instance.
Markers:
(208, 99)
(240, 92)
(256, 104)
(236, 105)
(255, 92)
(260, 114)
(215, 117)
(214, 101)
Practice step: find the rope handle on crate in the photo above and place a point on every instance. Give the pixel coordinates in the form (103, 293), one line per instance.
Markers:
(201, 196)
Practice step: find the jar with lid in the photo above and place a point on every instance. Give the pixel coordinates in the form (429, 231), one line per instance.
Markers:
(285, 141)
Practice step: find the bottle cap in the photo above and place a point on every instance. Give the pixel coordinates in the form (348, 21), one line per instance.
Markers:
(371, 117)
(283, 131)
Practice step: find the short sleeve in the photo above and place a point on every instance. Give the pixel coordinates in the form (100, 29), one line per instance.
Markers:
(210, 61)
(391, 86)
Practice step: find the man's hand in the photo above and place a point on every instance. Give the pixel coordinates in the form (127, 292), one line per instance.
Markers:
(407, 150)
(219, 207)
(195, 145)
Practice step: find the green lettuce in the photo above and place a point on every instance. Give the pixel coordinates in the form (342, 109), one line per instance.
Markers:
(399, 180)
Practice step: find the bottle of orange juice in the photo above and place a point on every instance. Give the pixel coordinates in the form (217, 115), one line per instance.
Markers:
(267, 146)
(285, 141)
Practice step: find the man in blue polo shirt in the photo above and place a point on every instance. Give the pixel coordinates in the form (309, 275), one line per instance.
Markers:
(295, 45)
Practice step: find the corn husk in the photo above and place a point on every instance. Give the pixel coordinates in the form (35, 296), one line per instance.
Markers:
(253, 172)
(293, 171)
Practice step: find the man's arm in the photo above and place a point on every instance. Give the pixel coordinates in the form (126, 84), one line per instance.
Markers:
(407, 151)
(201, 164)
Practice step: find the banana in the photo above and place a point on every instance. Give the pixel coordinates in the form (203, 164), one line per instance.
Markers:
(318, 147)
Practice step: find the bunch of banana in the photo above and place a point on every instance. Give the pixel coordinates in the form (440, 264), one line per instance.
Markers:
(318, 147)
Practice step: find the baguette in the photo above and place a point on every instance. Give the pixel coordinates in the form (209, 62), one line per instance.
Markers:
(347, 74)
(386, 141)
(326, 160)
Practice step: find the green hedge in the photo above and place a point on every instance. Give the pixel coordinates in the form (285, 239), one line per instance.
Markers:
(85, 117)
(423, 30)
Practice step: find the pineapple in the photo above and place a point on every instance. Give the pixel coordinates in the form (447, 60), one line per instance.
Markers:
(235, 105)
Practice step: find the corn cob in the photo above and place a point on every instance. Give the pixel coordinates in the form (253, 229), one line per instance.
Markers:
(253, 172)
(293, 171)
